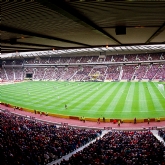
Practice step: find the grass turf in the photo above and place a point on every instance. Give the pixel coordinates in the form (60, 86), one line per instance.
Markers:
(125, 100)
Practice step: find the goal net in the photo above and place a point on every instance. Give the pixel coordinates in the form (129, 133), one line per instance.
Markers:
(161, 87)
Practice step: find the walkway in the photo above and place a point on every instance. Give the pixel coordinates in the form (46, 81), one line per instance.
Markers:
(155, 133)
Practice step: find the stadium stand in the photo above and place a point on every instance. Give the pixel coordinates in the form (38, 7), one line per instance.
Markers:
(121, 148)
(127, 67)
(128, 72)
(27, 141)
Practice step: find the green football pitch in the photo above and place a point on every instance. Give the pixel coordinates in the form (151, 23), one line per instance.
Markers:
(124, 100)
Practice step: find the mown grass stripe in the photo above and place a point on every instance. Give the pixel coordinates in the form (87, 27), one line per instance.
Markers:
(109, 100)
(107, 97)
(142, 99)
(156, 96)
(127, 102)
(135, 100)
(91, 99)
(117, 95)
(148, 95)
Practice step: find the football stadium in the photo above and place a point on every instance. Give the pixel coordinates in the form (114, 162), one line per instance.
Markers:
(82, 82)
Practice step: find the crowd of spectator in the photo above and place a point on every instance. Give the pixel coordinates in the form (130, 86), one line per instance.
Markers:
(121, 148)
(148, 72)
(84, 71)
(128, 72)
(74, 73)
(27, 142)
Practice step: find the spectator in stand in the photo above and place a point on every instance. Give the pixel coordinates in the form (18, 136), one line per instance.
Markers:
(121, 148)
(111, 73)
(28, 142)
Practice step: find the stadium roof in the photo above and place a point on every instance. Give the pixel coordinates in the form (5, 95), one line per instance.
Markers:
(73, 26)
(90, 51)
